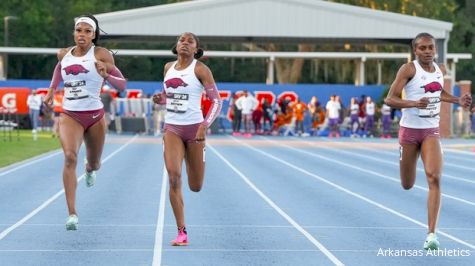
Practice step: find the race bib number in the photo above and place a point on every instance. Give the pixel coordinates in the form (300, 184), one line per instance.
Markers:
(177, 102)
(432, 109)
(75, 90)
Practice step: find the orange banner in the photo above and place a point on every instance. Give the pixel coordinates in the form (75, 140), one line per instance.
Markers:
(14, 99)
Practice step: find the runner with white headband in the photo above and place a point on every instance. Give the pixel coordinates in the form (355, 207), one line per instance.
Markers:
(84, 69)
(86, 20)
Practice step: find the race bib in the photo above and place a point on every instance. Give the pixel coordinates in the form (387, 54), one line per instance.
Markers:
(177, 102)
(75, 90)
(432, 109)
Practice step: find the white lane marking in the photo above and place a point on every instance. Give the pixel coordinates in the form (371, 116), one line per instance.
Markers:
(279, 210)
(186, 250)
(242, 226)
(5, 232)
(157, 249)
(444, 175)
(368, 171)
(459, 152)
(372, 202)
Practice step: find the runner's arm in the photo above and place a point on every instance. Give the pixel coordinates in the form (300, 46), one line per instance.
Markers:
(393, 99)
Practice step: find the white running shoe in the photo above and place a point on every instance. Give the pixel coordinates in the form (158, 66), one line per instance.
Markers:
(89, 176)
(432, 242)
(72, 222)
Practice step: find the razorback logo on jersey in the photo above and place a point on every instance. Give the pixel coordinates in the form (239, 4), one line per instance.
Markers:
(432, 87)
(75, 69)
(175, 83)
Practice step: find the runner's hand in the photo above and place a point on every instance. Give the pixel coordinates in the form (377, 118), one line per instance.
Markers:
(422, 103)
(48, 99)
(102, 69)
(157, 98)
(201, 133)
(465, 101)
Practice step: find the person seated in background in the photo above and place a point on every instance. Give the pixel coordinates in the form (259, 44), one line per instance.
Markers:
(267, 115)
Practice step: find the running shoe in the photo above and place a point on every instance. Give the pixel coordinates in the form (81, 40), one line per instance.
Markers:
(432, 242)
(90, 176)
(72, 222)
(181, 239)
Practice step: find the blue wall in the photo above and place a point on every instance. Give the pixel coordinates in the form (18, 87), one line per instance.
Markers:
(305, 91)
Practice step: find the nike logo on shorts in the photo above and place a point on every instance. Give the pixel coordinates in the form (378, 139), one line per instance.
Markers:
(95, 116)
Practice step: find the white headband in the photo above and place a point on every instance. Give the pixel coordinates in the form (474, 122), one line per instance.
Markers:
(86, 20)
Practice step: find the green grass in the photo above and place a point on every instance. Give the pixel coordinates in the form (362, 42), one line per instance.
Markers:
(24, 147)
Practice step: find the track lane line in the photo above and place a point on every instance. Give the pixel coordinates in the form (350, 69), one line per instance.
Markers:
(299, 228)
(7, 231)
(341, 188)
(158, 246)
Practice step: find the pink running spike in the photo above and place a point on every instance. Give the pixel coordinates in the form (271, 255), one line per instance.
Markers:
(181, 239)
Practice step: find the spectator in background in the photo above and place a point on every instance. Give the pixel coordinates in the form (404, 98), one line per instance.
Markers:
(354, 120)
(316, 113)
(299, 109)
(268, 115)
(362, 112)
(386, 121)
(257, 120)
(247, 103)
(333, 114)
(107, 100)
(284, 104)
(34, 102)
(341, 115)
(312, 107)
(159, 110)
(370, 111)
(235, 114)
(57, 110)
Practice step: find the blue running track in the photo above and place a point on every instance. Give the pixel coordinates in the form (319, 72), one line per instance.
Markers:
(266, 201)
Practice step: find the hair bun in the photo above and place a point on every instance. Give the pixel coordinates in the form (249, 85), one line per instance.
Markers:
(199, 53)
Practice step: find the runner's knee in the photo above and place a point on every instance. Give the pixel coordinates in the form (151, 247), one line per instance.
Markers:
(174, 178)
(70, 159)
(195, 187)
(433, 178)
(408, 184)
